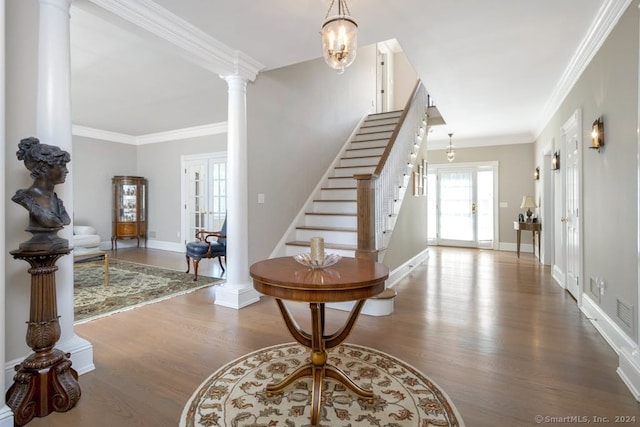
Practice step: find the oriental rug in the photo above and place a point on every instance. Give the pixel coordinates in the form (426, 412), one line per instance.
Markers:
(234, 396)
(130, 286)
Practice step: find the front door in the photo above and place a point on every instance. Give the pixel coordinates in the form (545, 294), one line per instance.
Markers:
(204, 193)
(461, 205)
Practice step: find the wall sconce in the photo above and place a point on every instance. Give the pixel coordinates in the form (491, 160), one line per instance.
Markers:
(536, 174)
(597, 134)
(555, 161)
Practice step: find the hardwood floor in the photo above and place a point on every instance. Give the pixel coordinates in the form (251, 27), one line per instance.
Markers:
(494, 331)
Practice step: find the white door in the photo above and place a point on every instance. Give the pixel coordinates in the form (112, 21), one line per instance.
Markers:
(461, 205)
(204, 193)
(571, 220)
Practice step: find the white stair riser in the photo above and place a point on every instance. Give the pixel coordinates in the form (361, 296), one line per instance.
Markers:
(334, 207)
(364, 152)
(359, 161)
(375, 135)
(292, 250)
(339, 194)
(390, 121)
(329, 236)
(341, 182)
(350, 171)
(377, 127)
(378, 143)
(388, 114)
(330, 221)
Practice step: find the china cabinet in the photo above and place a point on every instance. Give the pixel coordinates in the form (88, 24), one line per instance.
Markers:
(129, 209)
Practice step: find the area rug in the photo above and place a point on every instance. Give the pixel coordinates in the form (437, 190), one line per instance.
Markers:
(131, 285)
(234, 396)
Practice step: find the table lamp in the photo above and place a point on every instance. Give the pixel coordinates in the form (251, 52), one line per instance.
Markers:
(528, 202)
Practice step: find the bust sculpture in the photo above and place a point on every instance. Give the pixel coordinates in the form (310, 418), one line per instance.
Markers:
(47, 215)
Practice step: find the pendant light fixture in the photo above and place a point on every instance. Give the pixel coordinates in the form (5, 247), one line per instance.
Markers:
(451, 154)
(339, 37)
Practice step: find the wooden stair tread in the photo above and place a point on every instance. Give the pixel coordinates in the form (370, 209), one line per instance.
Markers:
(335, 200)
(360, 157)
(333, 214)
(388, 293)
(357, 166)
(325, 228)
(326, 245)
(338, 188)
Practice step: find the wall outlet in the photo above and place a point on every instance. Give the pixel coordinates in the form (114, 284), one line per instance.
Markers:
(260, 198)
(504, 204)
(152, 234)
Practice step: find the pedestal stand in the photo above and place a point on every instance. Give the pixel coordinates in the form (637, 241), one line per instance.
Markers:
(45, 381)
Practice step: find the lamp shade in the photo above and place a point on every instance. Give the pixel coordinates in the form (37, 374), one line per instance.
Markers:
(528, 202)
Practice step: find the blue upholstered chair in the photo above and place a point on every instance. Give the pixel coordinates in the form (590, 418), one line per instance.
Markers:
(208, 244)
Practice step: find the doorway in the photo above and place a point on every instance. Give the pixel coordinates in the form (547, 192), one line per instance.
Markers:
(572, 199)
(461, 203)
(204, 193)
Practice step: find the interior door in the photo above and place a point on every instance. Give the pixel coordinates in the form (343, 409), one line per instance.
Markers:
(572, 203)
(204, 194)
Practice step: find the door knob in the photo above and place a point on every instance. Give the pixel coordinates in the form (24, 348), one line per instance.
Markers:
(473, 208)
(563, 219)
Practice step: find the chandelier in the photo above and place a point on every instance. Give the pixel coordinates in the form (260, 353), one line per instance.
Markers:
(451, 153)
(339, 37)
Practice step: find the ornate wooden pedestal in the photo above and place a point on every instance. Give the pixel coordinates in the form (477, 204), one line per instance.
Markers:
(45, 381)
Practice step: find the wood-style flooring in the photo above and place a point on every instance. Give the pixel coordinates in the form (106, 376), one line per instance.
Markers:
(494, 331)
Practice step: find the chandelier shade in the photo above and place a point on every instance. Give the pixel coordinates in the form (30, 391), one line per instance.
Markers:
(339, 38)
(451, 153)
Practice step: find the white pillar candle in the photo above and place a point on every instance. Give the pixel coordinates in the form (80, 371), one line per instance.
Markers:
(317, 249)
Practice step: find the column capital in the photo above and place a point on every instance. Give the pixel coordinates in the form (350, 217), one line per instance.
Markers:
(63, 5)
(236, 81)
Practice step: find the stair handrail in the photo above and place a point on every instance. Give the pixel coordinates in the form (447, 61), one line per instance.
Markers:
(378, 192)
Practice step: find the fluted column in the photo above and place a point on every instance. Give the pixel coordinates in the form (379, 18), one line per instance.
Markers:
(54, 128)
(238, 290)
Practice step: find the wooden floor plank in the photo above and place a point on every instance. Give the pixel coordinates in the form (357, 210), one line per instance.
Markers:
(495, 331)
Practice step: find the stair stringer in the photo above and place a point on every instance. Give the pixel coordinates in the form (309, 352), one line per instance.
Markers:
(280, 249)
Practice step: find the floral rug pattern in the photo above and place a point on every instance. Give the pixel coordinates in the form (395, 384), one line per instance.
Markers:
(234, 396)
(130, 285)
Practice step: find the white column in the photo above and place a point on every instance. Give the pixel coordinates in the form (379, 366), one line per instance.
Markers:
(54, 128)
(6, 416)
(238, 290)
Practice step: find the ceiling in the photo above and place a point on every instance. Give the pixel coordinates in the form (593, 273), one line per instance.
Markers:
(496, 68)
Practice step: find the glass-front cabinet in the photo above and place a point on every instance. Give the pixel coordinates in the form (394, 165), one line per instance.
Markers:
(129, 209)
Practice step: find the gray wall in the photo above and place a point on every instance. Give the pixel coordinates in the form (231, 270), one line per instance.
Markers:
(160, 164)
(516, 164)
(298, 119)
(95, 162)
(608, 87)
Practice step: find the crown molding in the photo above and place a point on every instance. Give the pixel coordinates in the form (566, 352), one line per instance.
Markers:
(151, 138)
(200, 48)
(104, 135)
(604, 22)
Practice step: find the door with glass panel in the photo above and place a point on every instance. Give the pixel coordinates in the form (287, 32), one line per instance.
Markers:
(204, 193)
(461, 205)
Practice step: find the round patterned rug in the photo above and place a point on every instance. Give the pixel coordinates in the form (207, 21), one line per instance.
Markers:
(234, 396)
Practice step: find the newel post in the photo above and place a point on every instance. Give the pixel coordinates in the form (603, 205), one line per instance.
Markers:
(366, 196)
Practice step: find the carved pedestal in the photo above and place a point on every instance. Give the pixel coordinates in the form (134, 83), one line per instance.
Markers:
(45, 381)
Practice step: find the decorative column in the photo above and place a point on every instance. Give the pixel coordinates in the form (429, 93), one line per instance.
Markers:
(54, 128)
(238, 290)
(44, 381)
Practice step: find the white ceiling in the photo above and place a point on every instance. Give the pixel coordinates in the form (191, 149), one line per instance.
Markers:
(496, 68)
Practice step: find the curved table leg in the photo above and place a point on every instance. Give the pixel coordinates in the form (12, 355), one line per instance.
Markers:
(318, 369)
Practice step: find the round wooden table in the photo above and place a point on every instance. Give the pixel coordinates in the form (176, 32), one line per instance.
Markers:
(350, 279)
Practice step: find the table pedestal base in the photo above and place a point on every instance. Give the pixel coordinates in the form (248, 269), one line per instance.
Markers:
(318, 369)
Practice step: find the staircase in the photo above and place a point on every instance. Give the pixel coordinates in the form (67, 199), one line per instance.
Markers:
(333, 215)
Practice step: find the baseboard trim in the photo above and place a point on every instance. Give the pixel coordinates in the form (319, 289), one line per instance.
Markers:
(627, 350)
(236, 296)
(6, 417)
(384, 307)
(151, 244)
(81, 359)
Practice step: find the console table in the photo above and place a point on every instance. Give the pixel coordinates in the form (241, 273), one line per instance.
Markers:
(534, 227)
(350, 279)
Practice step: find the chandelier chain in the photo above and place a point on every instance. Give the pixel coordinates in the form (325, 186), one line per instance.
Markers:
(342, 4)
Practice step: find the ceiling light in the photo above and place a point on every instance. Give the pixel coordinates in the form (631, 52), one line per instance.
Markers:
(339, 37)
(451, 153)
